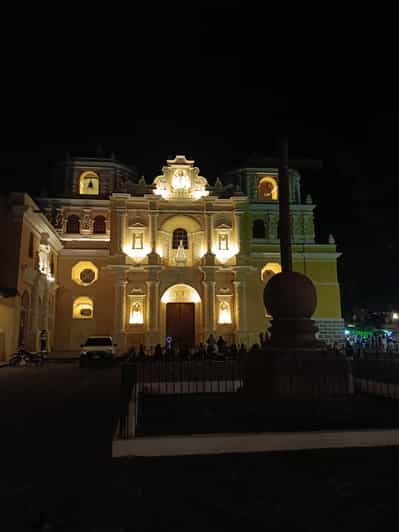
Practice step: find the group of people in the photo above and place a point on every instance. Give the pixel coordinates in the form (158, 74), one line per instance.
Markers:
(214, 349)
(370, 344)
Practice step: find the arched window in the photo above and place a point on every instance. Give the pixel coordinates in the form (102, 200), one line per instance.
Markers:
(73, 224)
(89, 184)
(267, 189)
(179, 235)
(82, 308)
(270, 269)
(99, 225)
(258, 229)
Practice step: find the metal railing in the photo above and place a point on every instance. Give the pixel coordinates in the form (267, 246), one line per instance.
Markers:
(376, 374)
(154, 376)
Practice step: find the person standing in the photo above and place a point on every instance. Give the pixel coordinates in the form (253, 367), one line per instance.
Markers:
(43, 340)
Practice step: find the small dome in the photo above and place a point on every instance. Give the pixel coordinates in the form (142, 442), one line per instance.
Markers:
(290, 295)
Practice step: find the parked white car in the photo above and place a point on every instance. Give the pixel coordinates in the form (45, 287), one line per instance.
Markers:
(97, 350)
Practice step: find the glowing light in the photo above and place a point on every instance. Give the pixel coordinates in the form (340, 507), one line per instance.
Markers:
(84, 273)
(223, 255)
(136, 254)
(159, 250)
(268, 188)
(347, 332)
(395, 315)
(271, 268)
(136, 313)
(89, 183)
(82, 308)
(181, 293)
(181, 181)
(224, 312)
(202, 251)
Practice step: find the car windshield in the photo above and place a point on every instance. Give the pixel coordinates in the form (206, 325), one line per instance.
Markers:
(98, 341)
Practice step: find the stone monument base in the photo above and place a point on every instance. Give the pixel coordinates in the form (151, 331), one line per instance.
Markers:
(297, 373)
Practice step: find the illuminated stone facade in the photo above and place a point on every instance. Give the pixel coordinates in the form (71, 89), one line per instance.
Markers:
(176, 257)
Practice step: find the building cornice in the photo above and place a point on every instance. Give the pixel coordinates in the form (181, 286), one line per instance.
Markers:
(85, 252)
(75, 202)
(316, 256)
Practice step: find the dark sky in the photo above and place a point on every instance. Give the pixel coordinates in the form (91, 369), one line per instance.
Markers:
(218, 83)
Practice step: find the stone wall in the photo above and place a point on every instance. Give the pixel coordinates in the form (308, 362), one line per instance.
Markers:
(331, 330)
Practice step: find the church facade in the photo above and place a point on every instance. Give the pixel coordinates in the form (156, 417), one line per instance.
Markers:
(109, 254)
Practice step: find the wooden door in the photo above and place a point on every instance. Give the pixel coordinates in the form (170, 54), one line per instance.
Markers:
(180, 323)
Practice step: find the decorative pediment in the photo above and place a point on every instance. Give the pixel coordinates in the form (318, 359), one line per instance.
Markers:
(180, 180)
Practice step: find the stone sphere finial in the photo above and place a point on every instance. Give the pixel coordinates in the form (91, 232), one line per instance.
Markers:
(290, 295)
(331, 239)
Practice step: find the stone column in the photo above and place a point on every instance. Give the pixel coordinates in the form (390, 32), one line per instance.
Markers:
(209, 229)
(153, 257)
(153, 231)
(120, 312)
(119, 231)
(45, 308)
(35, 316)
(209, 257)
(240, 307)
(236, 229)
(209, 308)
(152, 314)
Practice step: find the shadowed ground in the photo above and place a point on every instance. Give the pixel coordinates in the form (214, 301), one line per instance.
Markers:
(56, 468)
(56, 431)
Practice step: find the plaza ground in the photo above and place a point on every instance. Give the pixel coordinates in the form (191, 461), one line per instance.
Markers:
(56, 430)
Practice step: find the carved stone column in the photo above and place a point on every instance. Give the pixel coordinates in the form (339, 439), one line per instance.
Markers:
(209, 315)
(86, 222)
(153, 257)
(209, 257)
(32, 337)
(118, 230)
(45, 308)
(240, 308)
(152, 315)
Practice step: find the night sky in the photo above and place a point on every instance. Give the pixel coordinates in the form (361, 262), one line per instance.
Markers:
(216, 84)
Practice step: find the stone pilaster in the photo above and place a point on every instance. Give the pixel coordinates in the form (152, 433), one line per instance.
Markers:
(152, 314)
(153, 257)
(32, 337)
(120, 312)
(209, 257)
(209, 301)
(240, 307)
(118, 230)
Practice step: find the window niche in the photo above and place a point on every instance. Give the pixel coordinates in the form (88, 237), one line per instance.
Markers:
(136, 308)
(267, 189)
(179, 235)
(89, 184)
(82, 308)
(224, 309)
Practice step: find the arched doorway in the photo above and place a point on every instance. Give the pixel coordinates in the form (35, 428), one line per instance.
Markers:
(181, 301)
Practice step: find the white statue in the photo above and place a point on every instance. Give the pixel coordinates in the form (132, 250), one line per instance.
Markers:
(181, 256)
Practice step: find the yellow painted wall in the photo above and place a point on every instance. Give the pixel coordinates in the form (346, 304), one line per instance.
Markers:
(8, 324)
(70, 333)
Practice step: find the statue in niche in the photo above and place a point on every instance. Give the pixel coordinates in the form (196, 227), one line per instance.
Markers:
(181, 180)
(181, 256)
(136, 313)
(43, 258)
(58, 219)
(86, 221)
